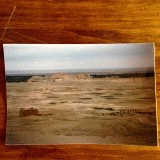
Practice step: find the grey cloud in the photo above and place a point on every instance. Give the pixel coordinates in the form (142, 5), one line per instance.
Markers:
(64, 56)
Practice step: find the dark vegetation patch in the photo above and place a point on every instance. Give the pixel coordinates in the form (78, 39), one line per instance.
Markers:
(117, 94)
(98, 108)
(65, 119)
(51, 97)
(26, 123)
(85, 98)
(49, 114)
(147, 98)
(36, 120)
(52, 103)
(68, 134)
(98, 89)
(46, 93)
(96, 93)
(108, 97)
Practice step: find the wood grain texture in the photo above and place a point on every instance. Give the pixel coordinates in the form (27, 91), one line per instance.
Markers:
(70, 22)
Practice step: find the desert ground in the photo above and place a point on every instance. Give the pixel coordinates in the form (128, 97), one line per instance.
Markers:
(83, 111)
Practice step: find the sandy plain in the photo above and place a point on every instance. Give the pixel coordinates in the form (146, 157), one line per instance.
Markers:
(78, 111)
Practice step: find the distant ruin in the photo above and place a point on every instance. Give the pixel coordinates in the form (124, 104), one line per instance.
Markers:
(27, 112)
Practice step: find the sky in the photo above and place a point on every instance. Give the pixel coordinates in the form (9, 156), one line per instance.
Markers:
(77, 56)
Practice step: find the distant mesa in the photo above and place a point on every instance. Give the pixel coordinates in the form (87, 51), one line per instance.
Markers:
(72, 76)
(49, 77)
(125, 75)
(27, 78)
(17, 78)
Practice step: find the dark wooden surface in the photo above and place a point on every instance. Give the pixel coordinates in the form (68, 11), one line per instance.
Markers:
(70, 22)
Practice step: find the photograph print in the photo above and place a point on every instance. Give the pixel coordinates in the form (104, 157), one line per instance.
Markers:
(81, 94)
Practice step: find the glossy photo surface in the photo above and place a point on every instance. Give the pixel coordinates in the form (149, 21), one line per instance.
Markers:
(81, 94)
